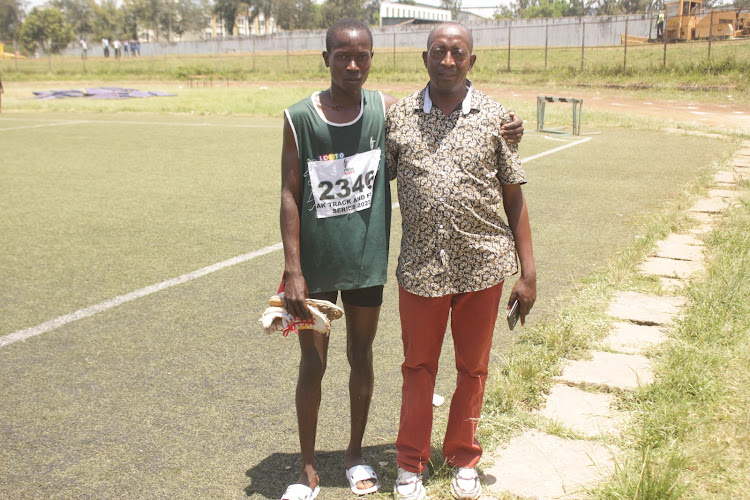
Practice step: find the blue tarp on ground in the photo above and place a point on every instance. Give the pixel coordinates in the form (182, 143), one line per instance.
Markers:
(99, 93)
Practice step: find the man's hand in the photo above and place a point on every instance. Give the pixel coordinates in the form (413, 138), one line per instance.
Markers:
(525, 292)
(513, 131)
(295, 293)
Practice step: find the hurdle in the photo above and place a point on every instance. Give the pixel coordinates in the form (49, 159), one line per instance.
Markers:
(541, 102)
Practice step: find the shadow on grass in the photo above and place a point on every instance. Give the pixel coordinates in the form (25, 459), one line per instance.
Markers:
(274, 473)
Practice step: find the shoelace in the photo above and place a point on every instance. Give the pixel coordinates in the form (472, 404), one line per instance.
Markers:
(292, 327)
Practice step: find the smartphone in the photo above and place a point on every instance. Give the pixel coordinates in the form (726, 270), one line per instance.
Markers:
(513, 314)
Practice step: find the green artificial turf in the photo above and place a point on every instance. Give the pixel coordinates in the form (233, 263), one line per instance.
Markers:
(179, 393)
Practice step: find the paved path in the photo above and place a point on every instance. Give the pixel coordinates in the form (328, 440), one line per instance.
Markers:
(582, 399)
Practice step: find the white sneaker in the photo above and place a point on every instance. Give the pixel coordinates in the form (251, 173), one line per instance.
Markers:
(465, 484)
(409, 486)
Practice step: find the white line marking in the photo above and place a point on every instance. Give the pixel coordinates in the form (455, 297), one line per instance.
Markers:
(57, 124)
(124, 122)
(558, 139)
(555, 150)
(128, 297)
(122, 299)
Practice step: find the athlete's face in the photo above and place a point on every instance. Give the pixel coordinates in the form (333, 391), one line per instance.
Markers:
(349, 59)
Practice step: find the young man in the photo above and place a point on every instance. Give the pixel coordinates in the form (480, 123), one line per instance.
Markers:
(335, 225)
(455, 175)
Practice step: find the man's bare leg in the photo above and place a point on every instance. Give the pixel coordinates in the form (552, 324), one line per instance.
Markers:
(312, 366)
(361, 326)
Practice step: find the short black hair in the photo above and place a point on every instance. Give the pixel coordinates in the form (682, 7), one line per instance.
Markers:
(346, 24)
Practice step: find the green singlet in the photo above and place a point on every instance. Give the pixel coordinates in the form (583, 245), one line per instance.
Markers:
(345, 218)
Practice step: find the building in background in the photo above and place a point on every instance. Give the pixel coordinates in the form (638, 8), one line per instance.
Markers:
(392, 13)
(243, 27)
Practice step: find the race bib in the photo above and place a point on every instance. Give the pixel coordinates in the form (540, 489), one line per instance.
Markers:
(343, 186)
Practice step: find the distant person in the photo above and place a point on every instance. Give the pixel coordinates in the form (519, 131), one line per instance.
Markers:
(132, 46)
(105, 47)
(125, 48)
(116, 45)
(84, 48)
(660, 26)
(138, 47)
(456, 176)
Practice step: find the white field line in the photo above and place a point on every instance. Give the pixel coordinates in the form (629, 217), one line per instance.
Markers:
(122, 299)
(555, 150)
(125, 122)
(56, 124)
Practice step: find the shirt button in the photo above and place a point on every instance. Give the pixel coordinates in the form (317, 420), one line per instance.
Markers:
(440, 226)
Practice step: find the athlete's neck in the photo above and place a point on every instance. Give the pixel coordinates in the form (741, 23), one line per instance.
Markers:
(341, 98)
(338, 106)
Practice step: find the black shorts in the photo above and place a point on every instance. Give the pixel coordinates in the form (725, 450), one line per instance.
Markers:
(361, 297)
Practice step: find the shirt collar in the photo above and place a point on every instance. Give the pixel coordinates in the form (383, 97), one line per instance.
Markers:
(465, 105)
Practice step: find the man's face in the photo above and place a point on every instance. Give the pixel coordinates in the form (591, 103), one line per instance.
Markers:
(448, 58)
(350, 59)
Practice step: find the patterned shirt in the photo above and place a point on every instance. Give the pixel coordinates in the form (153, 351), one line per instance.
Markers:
(450, 174)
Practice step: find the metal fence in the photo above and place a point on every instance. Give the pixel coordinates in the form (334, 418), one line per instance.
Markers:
(502, 45)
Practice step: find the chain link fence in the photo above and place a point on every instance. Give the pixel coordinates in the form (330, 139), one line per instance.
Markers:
(610, 43)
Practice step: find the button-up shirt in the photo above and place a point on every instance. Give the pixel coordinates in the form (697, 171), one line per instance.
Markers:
(450, 173)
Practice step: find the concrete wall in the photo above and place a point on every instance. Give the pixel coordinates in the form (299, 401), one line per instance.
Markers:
(556, 32)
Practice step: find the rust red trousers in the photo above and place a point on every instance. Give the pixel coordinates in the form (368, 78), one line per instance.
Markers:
(423, 325)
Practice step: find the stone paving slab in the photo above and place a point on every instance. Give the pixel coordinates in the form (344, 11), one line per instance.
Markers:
(670, 268)
(704, 228)
(683, 239)
(745, 151)
(645, 309)
(726, 176)
(629, 338)
(591, 414)
(672, 284)
(615, 371)
(741, 161)
(730, 194)
(670, 248)
(703, 217)
(537, 465)
(710, 205)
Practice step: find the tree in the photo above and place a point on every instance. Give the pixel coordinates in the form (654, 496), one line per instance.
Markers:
(452, 5)
(227, 10)
(135, 14)
(46, 28)
(551, 8)
(297, 14)
(167, 18)
(79, 14)
(108, 20)
(192, 15)
(541, 8)
(333, 10)
(11, 17)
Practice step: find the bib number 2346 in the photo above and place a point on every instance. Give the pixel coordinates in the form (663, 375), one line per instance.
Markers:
(345, 185)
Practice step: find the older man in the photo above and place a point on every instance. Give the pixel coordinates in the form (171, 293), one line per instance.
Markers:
(455, 174)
